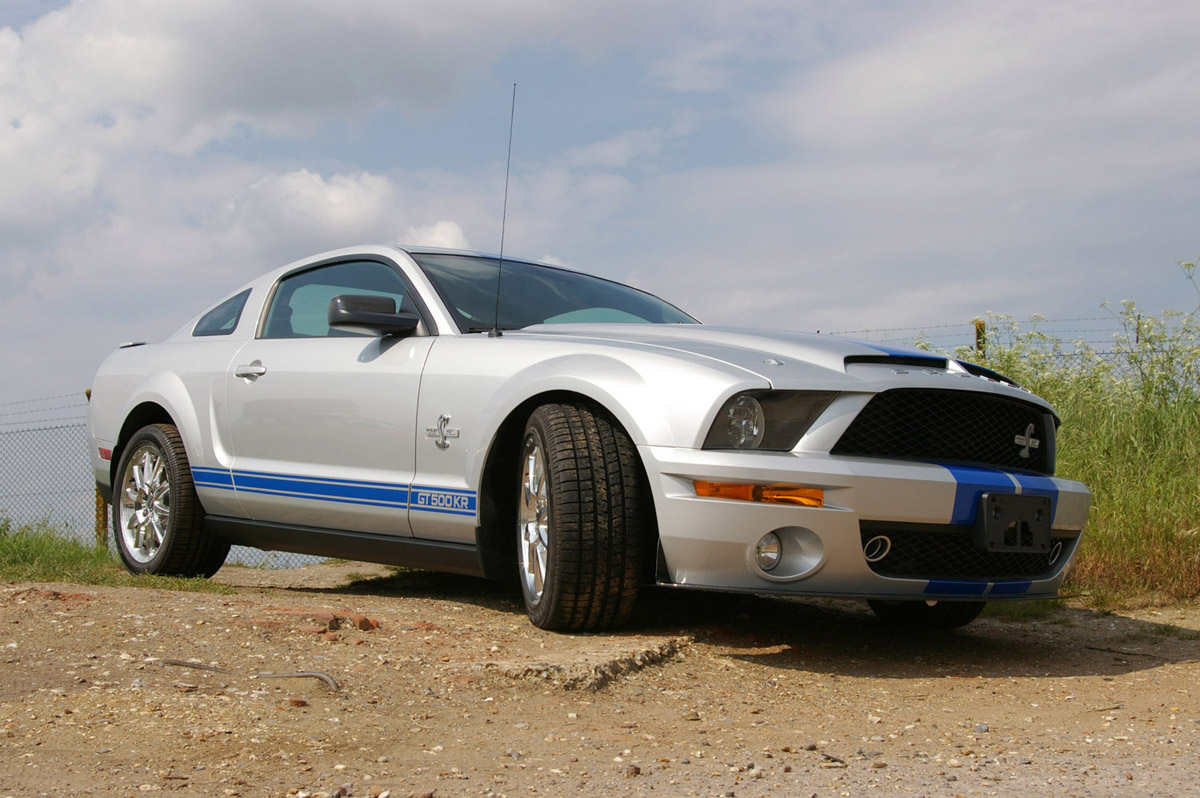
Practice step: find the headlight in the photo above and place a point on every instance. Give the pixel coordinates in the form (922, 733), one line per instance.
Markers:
(739, 425)
(768, 420)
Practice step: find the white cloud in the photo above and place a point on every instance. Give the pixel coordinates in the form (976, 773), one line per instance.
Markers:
(826, 166)
(444, 233)
(97, 79)
(304, 204)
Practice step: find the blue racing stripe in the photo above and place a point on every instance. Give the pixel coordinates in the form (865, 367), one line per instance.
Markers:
(453, 501)
(443, 500)
(1015, 588)
(952, 587)
(347, 491)
(935, 361)
(220, 478)
(973, 482)
(1036, 485)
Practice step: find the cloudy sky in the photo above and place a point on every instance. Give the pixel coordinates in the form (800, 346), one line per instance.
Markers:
(802, 165)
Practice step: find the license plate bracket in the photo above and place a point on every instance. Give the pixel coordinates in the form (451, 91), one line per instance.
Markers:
(1009, 522)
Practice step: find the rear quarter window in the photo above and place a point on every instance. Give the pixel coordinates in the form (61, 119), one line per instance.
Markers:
(223, 319)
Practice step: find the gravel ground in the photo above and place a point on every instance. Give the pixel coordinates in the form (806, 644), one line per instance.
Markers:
(443, 688)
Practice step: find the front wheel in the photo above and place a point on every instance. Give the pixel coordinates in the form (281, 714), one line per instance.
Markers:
(578, 520)
(157, 519)
(920, 615)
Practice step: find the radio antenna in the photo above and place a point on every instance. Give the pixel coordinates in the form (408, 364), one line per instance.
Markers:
(512, 113)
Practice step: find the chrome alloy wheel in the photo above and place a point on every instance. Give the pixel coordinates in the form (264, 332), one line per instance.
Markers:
(533, 523)
(145, 503)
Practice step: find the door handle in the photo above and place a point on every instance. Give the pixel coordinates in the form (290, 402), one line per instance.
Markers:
(250, 371)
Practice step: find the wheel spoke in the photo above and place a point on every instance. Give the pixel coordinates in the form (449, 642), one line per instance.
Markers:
(534, 521)
(539, 576)
(145, 507)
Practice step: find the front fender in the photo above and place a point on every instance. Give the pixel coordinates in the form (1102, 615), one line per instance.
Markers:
(667, 403)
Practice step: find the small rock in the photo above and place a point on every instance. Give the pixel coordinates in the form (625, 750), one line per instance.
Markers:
(691, 714)
(297, 702)
(632, 770)
(980, 728)
(362, 622)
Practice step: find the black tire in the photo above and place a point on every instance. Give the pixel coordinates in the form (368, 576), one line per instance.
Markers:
(921, 615)
(157, 519)
(579, 521)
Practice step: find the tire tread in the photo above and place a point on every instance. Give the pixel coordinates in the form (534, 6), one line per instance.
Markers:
(596, 543)
(188, 550)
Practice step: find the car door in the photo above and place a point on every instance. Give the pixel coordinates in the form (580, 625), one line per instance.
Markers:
(321, 421)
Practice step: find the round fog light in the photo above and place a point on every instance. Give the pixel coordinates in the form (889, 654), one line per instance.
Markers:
(768, 551)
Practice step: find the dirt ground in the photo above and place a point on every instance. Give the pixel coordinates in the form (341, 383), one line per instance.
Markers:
(104, 691)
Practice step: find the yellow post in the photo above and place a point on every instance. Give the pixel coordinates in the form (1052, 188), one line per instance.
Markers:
(101, 520)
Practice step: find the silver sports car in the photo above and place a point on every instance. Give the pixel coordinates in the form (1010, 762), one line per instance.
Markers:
(447, 410)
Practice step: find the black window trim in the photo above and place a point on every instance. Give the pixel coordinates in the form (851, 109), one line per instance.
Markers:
(243, 296)
(422, 310)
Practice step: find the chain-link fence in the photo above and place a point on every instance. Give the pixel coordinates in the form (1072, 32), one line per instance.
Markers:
(46, 478)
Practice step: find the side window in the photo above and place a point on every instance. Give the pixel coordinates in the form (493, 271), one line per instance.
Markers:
(223, 319)
(300, 307)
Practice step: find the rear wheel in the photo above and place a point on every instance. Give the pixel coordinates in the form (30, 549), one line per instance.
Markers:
(157, 519)
(578, 520)
(926, 615)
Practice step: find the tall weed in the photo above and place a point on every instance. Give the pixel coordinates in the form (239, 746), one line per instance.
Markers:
(1131, 432)
(43, 553)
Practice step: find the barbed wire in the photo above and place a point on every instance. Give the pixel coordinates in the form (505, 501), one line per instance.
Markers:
(39, 423)
(42, 399)
(41, 410)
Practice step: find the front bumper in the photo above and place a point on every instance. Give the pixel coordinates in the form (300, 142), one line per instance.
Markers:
(920, 509)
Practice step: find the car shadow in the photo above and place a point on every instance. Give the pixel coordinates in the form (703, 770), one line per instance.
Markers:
(841, 637)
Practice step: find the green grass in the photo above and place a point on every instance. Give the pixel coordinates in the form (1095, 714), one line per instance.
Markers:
(43, 553)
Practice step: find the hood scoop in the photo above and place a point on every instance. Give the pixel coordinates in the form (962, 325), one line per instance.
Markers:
(914, 361)
(928, 362)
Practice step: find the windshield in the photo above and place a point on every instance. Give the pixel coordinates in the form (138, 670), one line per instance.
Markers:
(533, 294)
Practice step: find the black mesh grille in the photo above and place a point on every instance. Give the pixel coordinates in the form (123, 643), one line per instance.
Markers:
(935, 553)
(951, 426)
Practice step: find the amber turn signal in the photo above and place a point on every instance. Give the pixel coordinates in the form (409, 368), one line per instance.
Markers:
(776, 493)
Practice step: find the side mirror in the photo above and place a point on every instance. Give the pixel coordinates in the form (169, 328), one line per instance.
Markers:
(374, 315)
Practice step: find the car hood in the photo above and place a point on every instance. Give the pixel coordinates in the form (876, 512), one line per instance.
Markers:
(789, 360)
